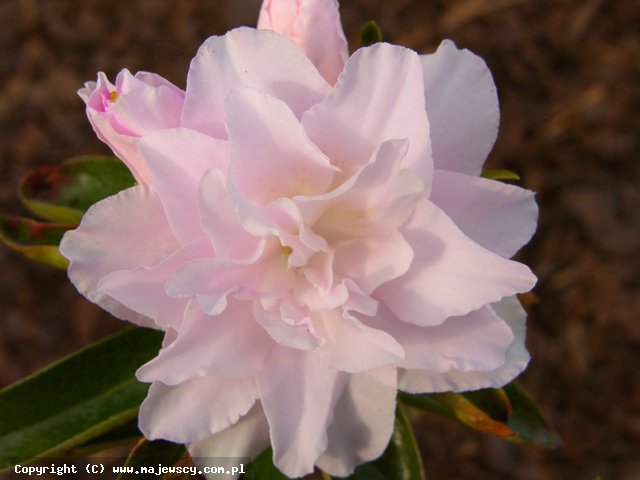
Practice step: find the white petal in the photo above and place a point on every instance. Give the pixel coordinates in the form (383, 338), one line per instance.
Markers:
(516, 359)
(363, 422)
(121, 232)
(450, 275)
(462, 105)
(195, 409)
(498, 216)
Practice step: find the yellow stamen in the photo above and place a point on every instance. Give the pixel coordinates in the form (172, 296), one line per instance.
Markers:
(286, 251)
(113, 96)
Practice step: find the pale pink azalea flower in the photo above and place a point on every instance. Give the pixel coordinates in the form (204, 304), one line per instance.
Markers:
(311, 248)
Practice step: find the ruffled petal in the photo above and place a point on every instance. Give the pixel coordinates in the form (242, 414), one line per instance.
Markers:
(363, 422)
(259, 59)
(371, 262)
(298, 392)
(195, 409)
(357, 347)
(243, 440)
(450, 275)
(379, 96)
(143, 288)
(201, 348)
(462, 105)
(477, 341)
(141, 108)
(314, 27)
(265, 137)
(498, 216)
(219, 219)
(177, 159)
(121, 232)
(516, 360)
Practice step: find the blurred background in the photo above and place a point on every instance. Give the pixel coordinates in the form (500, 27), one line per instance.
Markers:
(567, 73)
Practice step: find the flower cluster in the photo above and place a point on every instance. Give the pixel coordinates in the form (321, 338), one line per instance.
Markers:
(311, 231)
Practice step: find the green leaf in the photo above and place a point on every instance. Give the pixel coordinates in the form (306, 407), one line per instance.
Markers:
(62, 193)
(127, 434)
(400, 461)
(151, 454)
(507, 412)
(78, 398)
(526, 420)
(500, 174)
(461, 409)
(36, 240)
(262, 468)
(370, 33)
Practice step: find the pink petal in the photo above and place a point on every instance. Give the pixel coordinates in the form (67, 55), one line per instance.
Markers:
(177, 159)
(134, 106)
(375, 201)
(298, 391)
(516, 359)
(477, 341)
(146, 111)
(357, 347)
(271, 156)
(462, 105)
(201, 348)
(195, 409)
(370, 262)
(245, 439)
(143, 288)
(220, 221)
(246, 57)
(362, 423)
(121, 232)
(289, 326)
(379, 96)
(212, 280)
(124, 147)
(500, 217)
(450, 275)
(314, 27)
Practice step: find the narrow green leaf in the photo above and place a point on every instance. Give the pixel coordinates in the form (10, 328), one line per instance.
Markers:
(36, 240)
(127, 434)
(400, 461)
(78, 398)
(152, 454)
(370, 33)
(500, 174)
(526, 420)
(62, 193)
(459, 408)
(262, 468)
(508, 412)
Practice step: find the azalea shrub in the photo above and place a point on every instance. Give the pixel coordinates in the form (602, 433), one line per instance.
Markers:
(308, 245)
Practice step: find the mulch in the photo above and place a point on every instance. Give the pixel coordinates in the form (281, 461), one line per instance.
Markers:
(567, 74)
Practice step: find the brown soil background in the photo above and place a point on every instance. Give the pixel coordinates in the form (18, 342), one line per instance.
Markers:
(567, 73)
